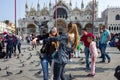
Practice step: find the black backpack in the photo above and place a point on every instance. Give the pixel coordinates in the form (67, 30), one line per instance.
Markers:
(117, 72)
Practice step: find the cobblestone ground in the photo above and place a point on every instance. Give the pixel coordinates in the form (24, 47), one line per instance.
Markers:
(30, 66)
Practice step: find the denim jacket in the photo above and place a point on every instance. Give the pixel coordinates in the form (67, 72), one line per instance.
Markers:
(63, 41)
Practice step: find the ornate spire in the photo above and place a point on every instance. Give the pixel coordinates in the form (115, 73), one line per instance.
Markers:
(82, 5)
(70, 3)
(50, 3)
(26, 5)
(76, 4)
(38, 5)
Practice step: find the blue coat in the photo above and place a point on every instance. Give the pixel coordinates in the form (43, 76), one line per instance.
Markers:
(63, 41)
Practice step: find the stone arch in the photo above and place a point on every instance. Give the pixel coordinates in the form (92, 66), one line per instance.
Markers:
(31, 29)
(89, 27)
(61, 25)
(79, 28)
(60, 13)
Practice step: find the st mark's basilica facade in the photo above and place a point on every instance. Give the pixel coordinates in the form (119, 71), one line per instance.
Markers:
(39, 21)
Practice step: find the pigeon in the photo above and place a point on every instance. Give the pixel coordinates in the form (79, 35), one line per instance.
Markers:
(39, 72)
(23, 65)
(6, 67)
(71, 76)
(9, 73)
(22, 54)
(30, 54)
(37, 65)
(18, 57)
(20, 72)
(31, 62)
(29, 57)
(21, 61)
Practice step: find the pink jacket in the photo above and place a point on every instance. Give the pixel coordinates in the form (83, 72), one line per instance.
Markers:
(93, 49)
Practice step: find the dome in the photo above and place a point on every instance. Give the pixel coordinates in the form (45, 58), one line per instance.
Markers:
(76, 10)
(44, 11)
(32, 10)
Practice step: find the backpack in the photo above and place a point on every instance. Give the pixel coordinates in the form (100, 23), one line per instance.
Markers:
(44, 48)
(117, 72)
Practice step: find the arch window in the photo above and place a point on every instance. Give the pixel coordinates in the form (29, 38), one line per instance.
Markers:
(117, 28)
(60, 12)
(112, 28)
(109, 28)
(117, 17)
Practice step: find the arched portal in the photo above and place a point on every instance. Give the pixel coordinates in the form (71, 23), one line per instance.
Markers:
(60, 13)
(31, 29)
(89, 27)
(79, 28)
(61, 25)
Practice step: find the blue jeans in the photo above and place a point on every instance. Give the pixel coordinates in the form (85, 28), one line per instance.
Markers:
(87, 53)
(44, 63)
(59, 71)
(104, 54)
(19, 47)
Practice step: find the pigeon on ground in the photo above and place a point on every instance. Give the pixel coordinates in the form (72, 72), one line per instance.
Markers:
(71, 76)
(22, 54)
(29, 57)
(21, 61)
(9, 73)
(20, 72)
(39, 72)
(6, 67)
(31, 62)
(37, 64)
(23, 65)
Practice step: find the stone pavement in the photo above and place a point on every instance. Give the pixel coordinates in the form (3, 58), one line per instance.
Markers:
(30, 66)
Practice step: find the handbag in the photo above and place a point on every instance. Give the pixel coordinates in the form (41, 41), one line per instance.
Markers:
(117, 72)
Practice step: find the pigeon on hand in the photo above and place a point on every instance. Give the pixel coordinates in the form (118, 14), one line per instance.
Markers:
(9, 73)
(20, 72)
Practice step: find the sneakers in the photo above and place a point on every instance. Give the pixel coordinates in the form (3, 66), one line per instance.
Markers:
(90, 75)
(102, 62)
(109, 60)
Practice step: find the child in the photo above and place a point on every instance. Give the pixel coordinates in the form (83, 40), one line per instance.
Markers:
(94, 53)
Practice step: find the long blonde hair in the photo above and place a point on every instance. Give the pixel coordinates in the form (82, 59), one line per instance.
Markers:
(56, 44)
(72, 28)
